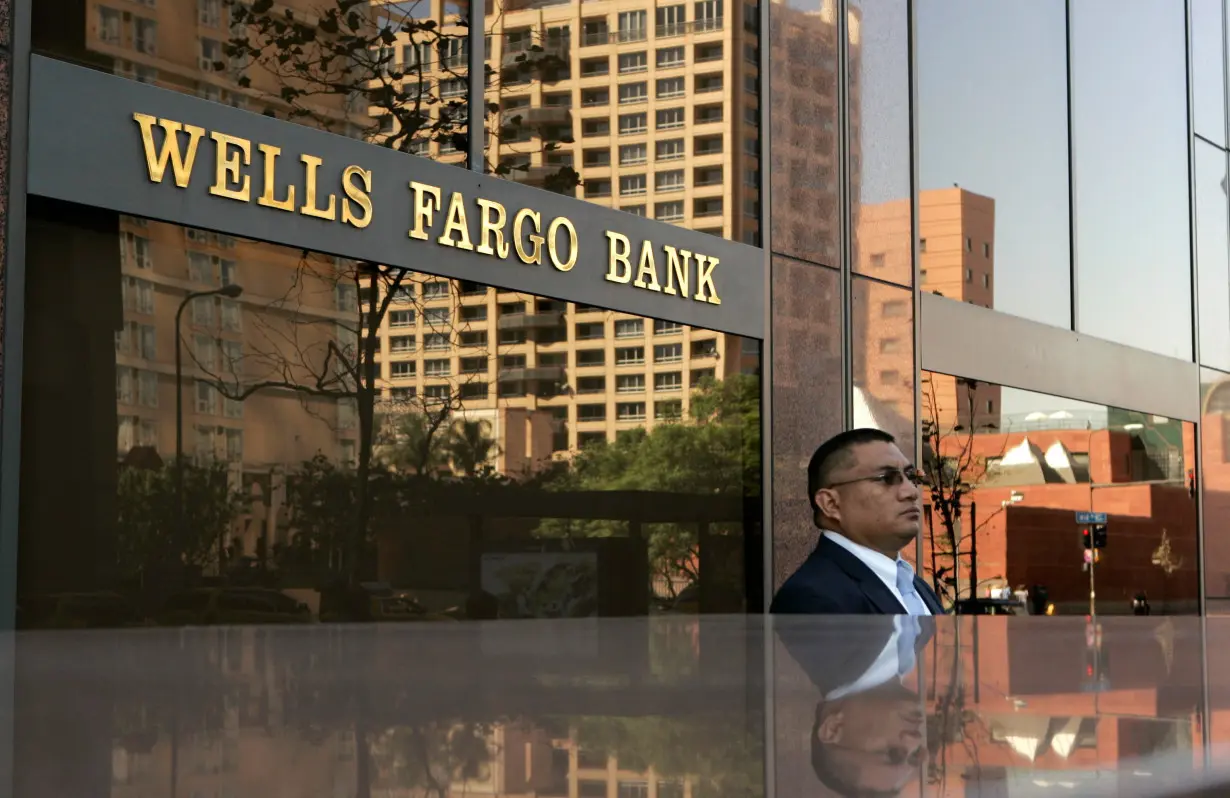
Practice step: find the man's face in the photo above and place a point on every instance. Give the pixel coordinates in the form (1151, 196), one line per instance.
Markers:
(876, 740)
(873, 497)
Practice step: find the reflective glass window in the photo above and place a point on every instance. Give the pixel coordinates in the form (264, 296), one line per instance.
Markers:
(992, 109)
(1212, 254)
(1208, 70)
(313, 479)
(803, 41)
(1008, 471)
(882, 331)
(1130, 174)
(879, 136)
(393, 74)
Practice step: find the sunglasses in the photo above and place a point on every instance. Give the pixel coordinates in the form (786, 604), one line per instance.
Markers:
(890, 477)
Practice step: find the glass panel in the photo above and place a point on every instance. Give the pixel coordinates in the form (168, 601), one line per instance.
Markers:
(879, 135)
(582, 98)
(1208, 70)
(882, 328)
(1129, 123)
(1212, 254)
(806, 397)
(1008, 471)
(1215, 481)
(178, 712)
(343, 463)
(393, 74)
(805, 173)
(993, 155)
(880, 706)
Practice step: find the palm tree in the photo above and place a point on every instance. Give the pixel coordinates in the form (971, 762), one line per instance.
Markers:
(470, 446)
(415, 445)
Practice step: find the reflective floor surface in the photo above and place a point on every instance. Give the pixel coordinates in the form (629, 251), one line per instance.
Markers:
(677, 707)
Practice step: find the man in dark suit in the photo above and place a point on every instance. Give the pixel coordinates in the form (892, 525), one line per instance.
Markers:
(869, 735)
(866, 501)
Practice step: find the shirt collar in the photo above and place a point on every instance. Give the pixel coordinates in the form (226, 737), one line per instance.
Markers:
(888, 665)
(881, 565)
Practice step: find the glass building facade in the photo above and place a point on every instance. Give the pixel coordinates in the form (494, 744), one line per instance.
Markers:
(998, 230)
(1006, 248)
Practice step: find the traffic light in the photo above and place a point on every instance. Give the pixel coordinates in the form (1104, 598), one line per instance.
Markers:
(1094, 536)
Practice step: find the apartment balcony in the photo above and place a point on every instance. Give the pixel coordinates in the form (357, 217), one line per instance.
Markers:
(531, 321)
(537, 117)
(671, 29)
(515, 55)
(531, 373)
(536, 175)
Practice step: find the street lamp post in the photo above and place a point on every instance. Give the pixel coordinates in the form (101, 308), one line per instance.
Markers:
(231, 292)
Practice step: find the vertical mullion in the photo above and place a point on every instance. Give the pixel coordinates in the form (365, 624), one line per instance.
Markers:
(843, 204)
(477, 94)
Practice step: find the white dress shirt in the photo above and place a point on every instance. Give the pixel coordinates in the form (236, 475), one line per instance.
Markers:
(885, 568)
(888, 665)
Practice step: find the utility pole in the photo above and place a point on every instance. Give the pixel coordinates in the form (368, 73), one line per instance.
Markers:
(1093, 537)
(1093, 605)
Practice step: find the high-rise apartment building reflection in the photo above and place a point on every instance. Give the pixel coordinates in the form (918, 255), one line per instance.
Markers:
(956, 242)
(656, 107)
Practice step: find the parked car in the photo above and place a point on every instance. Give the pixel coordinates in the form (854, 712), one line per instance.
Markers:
(229, 606)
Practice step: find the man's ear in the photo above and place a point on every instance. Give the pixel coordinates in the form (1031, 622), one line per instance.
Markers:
(831, 727)
(828, 503)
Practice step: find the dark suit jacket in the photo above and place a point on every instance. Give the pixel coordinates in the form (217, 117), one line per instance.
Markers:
(833, 581)
(837, 652)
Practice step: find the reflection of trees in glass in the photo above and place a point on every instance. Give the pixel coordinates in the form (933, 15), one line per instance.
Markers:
(715, 453)
(419, 443)
(372, 68)
(722, 752)
(1165, 559)
(148, 512)
(952, 470)
(432, 756)
(298, 345)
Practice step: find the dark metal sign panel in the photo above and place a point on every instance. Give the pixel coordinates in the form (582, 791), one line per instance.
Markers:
(101, 140)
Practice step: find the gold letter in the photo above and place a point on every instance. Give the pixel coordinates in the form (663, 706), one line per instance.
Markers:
(228, 168)
(267, 197)
(676, 270)
(489, 227)
(536, 240)
(309, 193)
(563, 266)
(423, 208)
(704, 276)
(157, 164)
(618, 242)
(360, 196)
(455, 223)
(647, 267)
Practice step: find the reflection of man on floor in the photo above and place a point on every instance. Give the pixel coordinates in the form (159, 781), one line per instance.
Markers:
(869, 735)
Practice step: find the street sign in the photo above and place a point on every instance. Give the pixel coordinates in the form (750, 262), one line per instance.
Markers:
(1091, 518)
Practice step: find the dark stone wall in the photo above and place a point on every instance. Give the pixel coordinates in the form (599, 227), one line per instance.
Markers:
(6, 96)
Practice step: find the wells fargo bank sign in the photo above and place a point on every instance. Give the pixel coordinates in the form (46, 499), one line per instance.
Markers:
(169, 156)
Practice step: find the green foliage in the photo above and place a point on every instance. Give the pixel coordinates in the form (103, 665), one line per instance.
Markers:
(433, 756)
(423, 443)
(723, 751)
(324, 496)
(717, 453)
(148, 515)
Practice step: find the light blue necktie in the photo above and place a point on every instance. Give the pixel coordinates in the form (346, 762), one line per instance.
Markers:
(907, 636)
(905, 586)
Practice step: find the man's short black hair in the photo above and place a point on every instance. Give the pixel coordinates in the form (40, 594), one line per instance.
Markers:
(833, 455)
